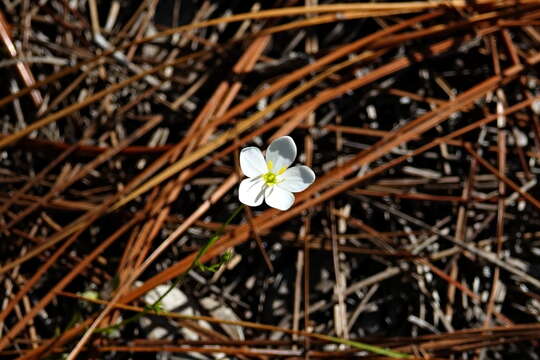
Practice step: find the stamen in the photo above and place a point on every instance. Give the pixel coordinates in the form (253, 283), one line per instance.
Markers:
(270, 178)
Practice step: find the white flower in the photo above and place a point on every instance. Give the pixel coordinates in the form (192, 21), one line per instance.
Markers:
(271, 179)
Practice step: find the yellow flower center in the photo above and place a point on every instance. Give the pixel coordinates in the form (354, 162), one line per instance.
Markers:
(270, 178)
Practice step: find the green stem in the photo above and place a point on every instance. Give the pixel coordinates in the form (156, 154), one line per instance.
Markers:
(195, 262)
(362, 346)
(180, 278)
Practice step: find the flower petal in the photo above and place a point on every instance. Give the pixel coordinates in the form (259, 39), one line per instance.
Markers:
(278, 198)
(251, 191)
(252, 162)
(280, 154)
(297, 178)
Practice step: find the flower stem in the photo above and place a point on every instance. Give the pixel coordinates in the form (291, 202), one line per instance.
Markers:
(363, 346)
(155, 309)
(155, 306)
